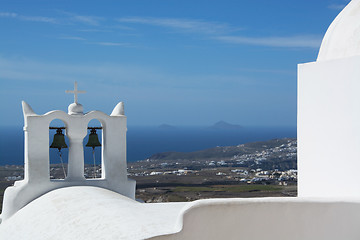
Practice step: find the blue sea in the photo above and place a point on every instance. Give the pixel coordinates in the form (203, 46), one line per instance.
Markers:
(142, 142)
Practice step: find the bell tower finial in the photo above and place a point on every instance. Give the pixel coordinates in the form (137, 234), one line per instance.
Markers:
(75, 108)
(75, 92)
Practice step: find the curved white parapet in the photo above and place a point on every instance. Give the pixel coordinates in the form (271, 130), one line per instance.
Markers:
(95, 213)
(89, 213)
(269, 218)
(342, 39)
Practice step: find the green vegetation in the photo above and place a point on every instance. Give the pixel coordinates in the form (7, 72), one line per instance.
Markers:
(176, 198)
(233, 189)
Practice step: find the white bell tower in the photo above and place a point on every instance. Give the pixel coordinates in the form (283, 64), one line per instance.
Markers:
(37, 175)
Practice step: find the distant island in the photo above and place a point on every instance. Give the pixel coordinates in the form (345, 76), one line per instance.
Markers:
(222, 125)
(166, 126)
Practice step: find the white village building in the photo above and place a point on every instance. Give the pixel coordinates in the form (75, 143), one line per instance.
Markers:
(328, 202)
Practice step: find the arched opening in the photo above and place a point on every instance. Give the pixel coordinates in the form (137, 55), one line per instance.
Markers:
(58, 150)
(93, 150)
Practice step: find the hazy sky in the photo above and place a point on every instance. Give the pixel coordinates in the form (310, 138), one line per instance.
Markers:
(179, 62)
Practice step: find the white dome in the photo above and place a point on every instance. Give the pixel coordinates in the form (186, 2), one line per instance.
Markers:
(85, 212)
(342, 39)
(76, 109)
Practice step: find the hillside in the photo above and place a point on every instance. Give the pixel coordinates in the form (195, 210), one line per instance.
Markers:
(276, 153)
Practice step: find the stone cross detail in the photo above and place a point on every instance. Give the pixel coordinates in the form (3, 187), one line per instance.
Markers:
(75, 92)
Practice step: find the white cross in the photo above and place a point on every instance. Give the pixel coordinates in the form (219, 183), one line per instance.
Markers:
(75, 92)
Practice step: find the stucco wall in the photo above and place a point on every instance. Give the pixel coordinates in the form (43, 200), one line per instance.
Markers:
(87, 212)
(270, 219)
(329, 128)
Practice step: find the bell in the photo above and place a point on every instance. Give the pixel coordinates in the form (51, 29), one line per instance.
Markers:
(59, 140)
(93, 139)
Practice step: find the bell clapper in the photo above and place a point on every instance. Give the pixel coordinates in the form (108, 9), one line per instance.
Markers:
(62, 162)
(93, 152)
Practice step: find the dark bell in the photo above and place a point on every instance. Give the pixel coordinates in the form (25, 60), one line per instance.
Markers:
(93, 139)
(59, 140)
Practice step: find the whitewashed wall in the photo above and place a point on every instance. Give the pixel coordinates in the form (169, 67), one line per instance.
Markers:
(270, 219)
(329, 128)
